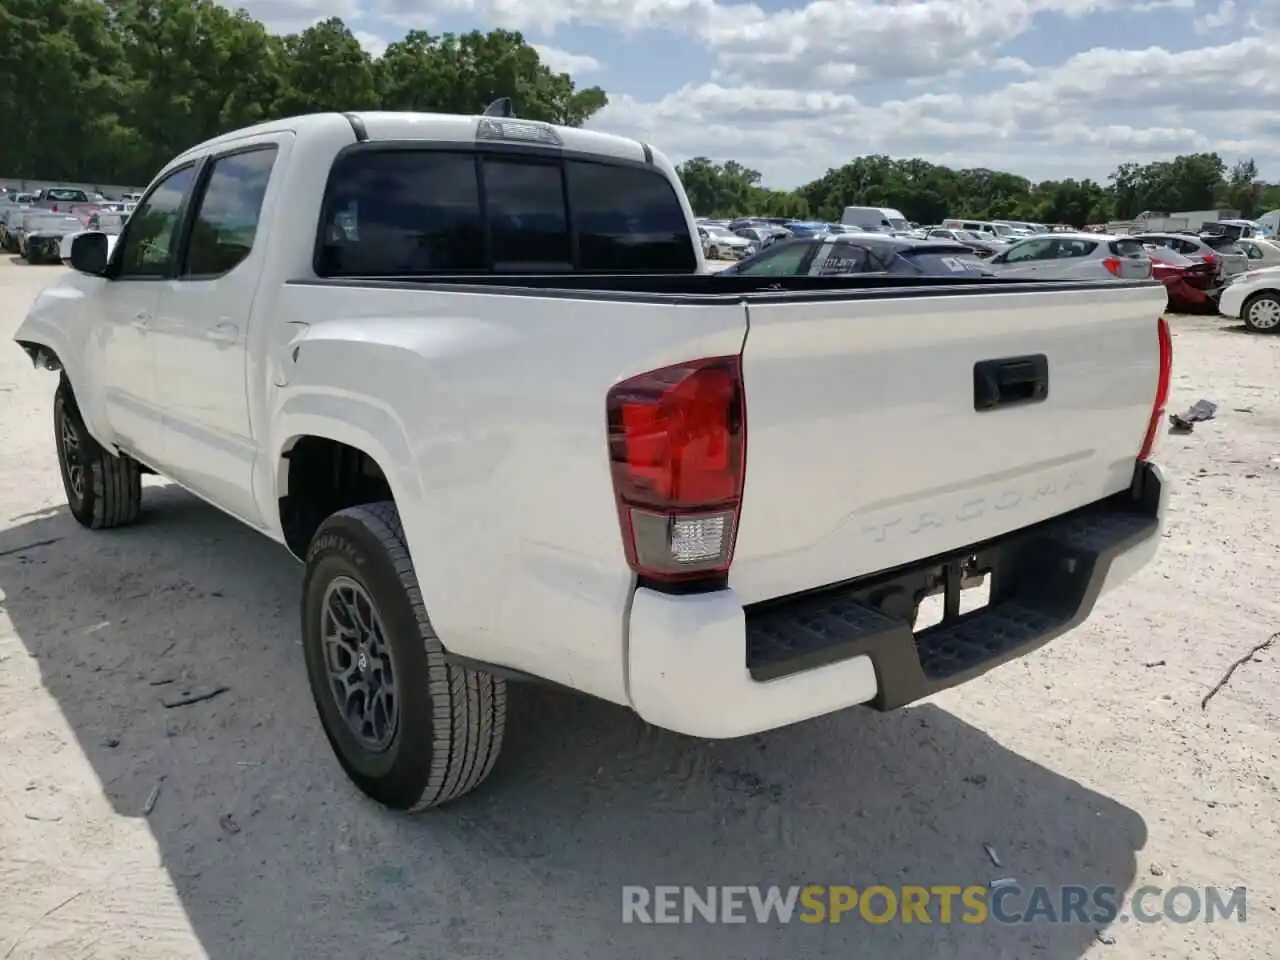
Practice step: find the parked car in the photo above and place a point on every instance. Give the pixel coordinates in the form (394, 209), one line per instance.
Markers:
(421, 425)
(40, 237)
(724, 244)
(1254, 297)
(10, 219)
(864, 253)
(1191, 285)
(60, 199)
(1221, 252)
(982, 244)
(1074, 256)
(1261, 252)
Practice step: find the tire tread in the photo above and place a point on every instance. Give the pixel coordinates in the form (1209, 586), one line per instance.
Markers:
(468, 707)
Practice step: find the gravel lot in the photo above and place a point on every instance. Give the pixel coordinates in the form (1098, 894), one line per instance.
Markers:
(1090, 762)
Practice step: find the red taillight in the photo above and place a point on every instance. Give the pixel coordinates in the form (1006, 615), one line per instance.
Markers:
(1113, 265)
(1210, 258)
(1162, 388)
(677, 443)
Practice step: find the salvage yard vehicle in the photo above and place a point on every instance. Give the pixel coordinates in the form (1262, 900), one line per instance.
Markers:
(1253, 297)
(1192, 285)
(470, 372)
(1074, 256)
(41, 234)
(852, 254)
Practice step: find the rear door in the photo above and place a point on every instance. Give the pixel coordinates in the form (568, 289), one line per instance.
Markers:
(865, 450)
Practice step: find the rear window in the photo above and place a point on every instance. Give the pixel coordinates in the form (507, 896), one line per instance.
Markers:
(1127, 248)
(1221, 244)
(69, 196)
(400, 212)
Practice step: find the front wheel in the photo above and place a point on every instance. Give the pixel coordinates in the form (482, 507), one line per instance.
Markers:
(1261, 312)
(713, 253)
(411, 730)
(103, 490)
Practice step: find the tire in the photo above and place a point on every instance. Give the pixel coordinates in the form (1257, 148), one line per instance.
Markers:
(449, 721)
(103, 490)
(1268, 320)
(713, 253)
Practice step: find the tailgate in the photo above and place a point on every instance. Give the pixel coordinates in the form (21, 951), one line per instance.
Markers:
(864, 447)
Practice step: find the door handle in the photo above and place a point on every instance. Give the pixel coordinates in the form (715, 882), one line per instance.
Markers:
(1010, 381)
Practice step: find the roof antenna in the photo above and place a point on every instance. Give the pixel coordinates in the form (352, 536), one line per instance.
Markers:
(500, 108)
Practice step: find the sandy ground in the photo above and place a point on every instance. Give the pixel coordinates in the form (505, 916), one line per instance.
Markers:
(1090, 762)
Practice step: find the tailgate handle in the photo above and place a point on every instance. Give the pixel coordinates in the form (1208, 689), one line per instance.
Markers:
(1010, 381)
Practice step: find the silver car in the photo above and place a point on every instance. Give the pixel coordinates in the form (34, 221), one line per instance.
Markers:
(1074, 256)
(724, 244)
(1222, 251)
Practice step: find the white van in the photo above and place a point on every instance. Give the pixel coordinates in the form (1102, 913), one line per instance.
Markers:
(875, 219)
(995, 231)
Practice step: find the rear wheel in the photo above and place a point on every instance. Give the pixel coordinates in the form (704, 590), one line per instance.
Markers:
(411, 730)
(103, 490)
(713, 253)
(1261, 312)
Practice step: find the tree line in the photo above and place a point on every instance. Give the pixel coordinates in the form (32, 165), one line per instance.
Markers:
(928, 193)
(107, 91)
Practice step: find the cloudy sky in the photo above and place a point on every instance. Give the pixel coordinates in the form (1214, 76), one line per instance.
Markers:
(1044, 88)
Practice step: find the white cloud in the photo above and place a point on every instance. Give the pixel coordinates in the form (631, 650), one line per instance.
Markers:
(373, 44)
(1079, 119)
(291, 16)
(796, 90)
(561, 61)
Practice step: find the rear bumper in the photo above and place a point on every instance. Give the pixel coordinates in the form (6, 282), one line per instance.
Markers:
(1230, 300)
(706, 666)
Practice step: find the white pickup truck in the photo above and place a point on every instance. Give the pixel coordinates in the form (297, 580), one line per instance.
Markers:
(473, 373)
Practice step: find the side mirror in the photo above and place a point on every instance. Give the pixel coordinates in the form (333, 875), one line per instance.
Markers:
(89, 253)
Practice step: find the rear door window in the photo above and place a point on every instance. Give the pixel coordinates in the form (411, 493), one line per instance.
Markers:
(402, 212)
(945, 263)
(1221, 244)
(838, 259)
(1072, 249)
(628, 218)
(1127, 248)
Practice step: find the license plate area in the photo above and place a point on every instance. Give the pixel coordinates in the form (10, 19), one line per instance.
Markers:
(951, 591)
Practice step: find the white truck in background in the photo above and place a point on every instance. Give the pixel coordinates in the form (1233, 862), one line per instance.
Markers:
(468, 371)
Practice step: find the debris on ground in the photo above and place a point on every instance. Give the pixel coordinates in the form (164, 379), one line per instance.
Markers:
(151, 800)
(991, 852)
(1106, 939)
(189, 698)
(1002, 882)
(1198, 412)
(228, 824)
(1256, 649)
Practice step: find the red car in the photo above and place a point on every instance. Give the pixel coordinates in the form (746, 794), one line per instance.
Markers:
(1192, 285)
